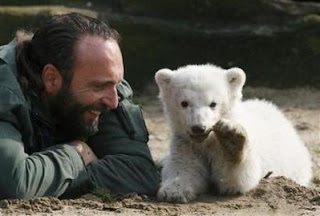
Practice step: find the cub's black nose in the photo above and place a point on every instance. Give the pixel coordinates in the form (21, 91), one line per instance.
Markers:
(198, 129)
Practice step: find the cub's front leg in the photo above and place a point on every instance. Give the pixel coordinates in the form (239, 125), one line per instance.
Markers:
(233, 140)
(184, 176)
(237, 169)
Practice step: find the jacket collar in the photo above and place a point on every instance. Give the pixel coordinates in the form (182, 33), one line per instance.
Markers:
(7, 52)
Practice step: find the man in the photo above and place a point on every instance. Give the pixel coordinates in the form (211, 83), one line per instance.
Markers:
(67, 122)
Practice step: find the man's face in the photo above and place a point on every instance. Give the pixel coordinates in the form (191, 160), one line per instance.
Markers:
(98, 68)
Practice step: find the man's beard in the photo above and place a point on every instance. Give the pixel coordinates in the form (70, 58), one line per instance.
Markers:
(68, 117)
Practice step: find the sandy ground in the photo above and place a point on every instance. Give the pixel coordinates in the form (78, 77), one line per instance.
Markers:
(274, 196)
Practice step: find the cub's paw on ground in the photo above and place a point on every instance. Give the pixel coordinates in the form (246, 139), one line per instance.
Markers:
(176, 192)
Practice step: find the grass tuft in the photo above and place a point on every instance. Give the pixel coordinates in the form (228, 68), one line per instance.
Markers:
(105, 194)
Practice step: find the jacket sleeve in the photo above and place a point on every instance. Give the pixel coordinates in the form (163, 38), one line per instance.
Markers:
(126, 164)
(46, 173)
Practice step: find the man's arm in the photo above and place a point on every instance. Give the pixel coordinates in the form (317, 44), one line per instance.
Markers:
(46, 173)
(126, 164)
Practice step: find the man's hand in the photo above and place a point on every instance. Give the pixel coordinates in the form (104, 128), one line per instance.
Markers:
(85, 152)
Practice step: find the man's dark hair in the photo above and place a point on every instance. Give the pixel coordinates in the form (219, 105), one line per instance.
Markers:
(54, 43)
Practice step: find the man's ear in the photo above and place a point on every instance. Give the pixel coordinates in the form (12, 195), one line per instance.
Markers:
(52, 79)
(163, 77)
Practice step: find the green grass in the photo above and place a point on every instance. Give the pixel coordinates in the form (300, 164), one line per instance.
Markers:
(105, 194)
(310, 19)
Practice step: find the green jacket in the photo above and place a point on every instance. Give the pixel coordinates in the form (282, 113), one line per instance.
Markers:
(31, 164)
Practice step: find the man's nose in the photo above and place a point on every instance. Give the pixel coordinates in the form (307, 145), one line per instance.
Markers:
(110, 100)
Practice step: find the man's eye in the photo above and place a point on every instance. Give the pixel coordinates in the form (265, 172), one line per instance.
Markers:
(99, 87)
(96, 89)
(184, 104)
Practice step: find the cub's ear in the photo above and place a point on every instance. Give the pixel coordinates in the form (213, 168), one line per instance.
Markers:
(236, 77)
(163, 77)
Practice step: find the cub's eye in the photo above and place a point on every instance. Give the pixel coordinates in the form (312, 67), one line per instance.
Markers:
(213, 105)
(184, 104)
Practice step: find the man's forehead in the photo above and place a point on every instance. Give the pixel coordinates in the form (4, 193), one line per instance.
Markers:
(97, 61)
(90, 41)
(93, 46)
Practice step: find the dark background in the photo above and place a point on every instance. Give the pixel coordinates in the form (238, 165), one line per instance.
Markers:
(276, 42)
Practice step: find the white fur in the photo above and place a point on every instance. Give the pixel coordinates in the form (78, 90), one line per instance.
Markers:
(272, 144)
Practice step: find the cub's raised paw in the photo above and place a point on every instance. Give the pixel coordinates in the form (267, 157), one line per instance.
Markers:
(176, 193)
(233, 139)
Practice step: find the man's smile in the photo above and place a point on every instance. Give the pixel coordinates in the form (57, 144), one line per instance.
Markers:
(91, 115)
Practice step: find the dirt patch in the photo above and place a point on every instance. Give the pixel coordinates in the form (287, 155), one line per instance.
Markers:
(274, 195)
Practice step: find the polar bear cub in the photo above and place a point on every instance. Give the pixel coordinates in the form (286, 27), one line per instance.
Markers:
(218, 139)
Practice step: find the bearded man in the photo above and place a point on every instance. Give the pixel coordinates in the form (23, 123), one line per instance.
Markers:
(67, 121)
